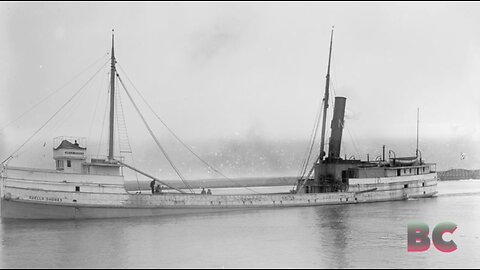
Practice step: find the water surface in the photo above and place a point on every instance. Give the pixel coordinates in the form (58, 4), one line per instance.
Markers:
(362, 235)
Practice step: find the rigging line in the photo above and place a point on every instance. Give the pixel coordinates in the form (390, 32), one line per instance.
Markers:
(308, 175)
(307, 162)
(312, 142)
(136, 174)
(61, 108)
(353, 141)
(323, 102)
(47, 131)
(51, 94)
(103, 121)
(96, 106)
(301, 170)
(315, 162)
(332, 84)
(155, 138)
(334, 66)
(56, 123)
(115, 123)
(124, 140)
(183, 143)
(118, 108)
(314, 135)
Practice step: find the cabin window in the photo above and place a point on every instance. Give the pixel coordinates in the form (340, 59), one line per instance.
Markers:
(404, 170)
(344, 176)
(69, 163)
(405, 186)
(398, 172)
(59, 164)
(423, 184)
(77, 188)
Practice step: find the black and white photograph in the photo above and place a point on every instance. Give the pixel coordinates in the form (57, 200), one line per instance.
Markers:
(239, 135)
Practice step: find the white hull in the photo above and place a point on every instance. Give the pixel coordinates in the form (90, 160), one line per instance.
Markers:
(54, 199)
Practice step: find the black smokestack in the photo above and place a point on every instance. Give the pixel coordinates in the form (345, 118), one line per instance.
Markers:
(337, 128)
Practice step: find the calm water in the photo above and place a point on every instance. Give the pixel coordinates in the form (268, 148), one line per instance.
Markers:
(363, 235)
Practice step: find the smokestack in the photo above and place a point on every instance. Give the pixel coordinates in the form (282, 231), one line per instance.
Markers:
(383, 152)
(337, 128)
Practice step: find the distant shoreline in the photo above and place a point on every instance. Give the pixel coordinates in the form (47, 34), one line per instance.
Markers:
(458, 174)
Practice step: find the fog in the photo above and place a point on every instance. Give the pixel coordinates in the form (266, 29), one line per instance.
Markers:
(241, 82)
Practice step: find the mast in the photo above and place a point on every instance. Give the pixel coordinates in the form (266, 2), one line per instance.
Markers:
(112, 101)
(316, 166)
(325, 102)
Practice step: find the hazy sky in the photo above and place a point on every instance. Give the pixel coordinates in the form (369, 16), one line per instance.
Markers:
(219, 70)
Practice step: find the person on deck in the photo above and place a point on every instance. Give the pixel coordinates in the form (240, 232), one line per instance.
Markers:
(158, 188)
(203, 191)
(209, 192)
(152, 186)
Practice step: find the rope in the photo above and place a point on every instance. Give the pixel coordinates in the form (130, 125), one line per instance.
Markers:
(59, 110)
(313, 136)
(183, 143)
(353, 141)
(51, 94)
(121, 117)
(56, 123)
(155, 138)
(103, 121)
(96, 106)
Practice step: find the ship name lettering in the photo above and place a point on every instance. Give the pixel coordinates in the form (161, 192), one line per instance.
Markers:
(40, 198)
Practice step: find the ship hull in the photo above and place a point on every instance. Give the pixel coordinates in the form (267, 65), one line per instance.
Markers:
(12, 209)
(27, 210)
(46, 195)
(143, 205)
